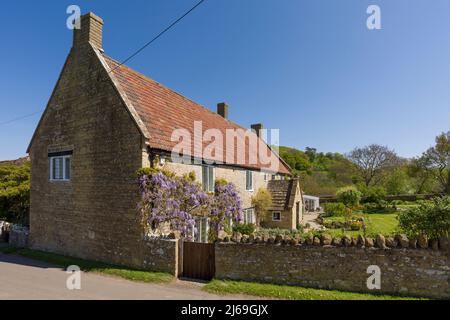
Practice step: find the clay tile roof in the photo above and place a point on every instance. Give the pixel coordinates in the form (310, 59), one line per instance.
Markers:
(162, 111)
(283, 193)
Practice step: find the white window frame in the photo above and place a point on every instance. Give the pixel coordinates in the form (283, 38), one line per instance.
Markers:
(64, 178)
(201, 238)
(247, 174)
(273, 215)
(253, 216)
(209, 185)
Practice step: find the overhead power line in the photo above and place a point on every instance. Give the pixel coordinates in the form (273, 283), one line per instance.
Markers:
(127, 59)
(157, 36)
(20, 118)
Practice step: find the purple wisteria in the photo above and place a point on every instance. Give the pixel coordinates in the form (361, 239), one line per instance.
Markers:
(225, 206)
(174, 202)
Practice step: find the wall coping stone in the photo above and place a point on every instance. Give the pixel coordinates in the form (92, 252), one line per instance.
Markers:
(379, 242)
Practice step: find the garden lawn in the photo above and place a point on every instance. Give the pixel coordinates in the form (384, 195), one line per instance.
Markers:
(91, 266)
(288, 292)
(377, 223)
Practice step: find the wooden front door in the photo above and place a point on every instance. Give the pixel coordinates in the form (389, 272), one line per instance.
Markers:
(198, 260)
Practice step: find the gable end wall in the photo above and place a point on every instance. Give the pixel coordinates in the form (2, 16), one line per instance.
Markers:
(94, 215)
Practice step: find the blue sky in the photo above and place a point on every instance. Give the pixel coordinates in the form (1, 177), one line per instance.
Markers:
(308, 67)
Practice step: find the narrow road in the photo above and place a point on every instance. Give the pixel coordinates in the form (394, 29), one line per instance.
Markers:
(23, 278)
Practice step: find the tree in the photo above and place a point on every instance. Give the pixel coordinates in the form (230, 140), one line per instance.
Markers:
(397, 181)
(420, 177)
(437, 161)
(262, 201)
(311, 153)
(296, 159)
(15, 192)
(372, 161)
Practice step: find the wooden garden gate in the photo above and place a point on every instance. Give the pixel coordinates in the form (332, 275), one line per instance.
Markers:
(198, 260)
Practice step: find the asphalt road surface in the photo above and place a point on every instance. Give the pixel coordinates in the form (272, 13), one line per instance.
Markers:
(23, 278)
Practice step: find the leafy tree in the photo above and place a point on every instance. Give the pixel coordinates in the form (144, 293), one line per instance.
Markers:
(15, 192)
(311, 153)
(421, 179)
(397, 181)
(437, 161)
(343, 172)
(296, 159)
(320, 173)
(372, 161)
(262, 201)
(317, 183)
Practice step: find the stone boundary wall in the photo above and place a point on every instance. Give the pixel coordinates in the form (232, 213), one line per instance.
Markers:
(160, 255)
(404, 271)
(18, 236)
(402, 197)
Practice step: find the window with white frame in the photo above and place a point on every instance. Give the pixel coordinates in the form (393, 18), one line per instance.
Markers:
(276, 216)
(249, 216)
(202, 227)
(60, 166)
(208, 178)
(249, 181)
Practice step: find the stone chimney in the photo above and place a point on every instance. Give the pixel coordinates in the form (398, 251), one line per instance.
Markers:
(91, 29)
(222, 109)
(257, 128)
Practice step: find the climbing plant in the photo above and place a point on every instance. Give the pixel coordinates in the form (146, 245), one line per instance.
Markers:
(173, 201)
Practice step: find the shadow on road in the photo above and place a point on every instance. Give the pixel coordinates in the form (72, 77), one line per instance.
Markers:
(15, 259)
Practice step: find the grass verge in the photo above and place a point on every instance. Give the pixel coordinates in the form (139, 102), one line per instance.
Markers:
(288, 292)
(91, 266)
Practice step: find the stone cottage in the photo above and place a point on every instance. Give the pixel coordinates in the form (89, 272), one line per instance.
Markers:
(103, 122)
(286, 211)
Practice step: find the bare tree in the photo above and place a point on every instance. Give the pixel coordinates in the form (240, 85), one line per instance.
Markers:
(437, 161)
(372, 161)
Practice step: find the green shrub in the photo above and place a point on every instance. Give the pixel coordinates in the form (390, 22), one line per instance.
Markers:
(379, 207)
(221, 182)
(374, 194)
(349, 196)
(245, 228)
(334, 209)
(430, 218)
